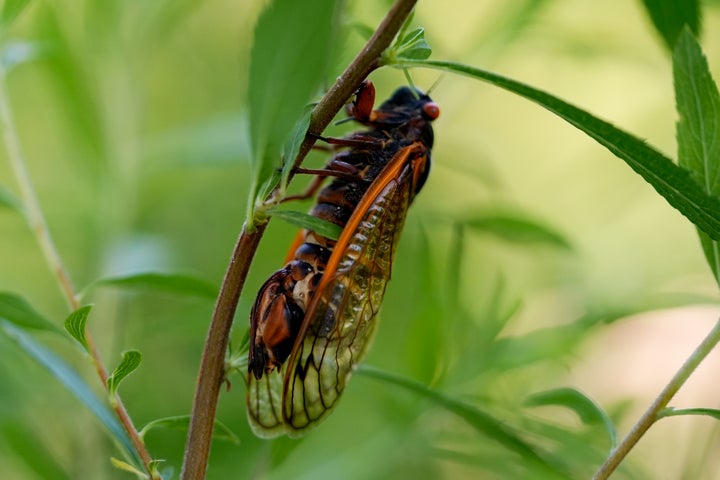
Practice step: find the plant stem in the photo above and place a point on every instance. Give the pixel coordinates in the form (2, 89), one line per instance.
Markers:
(211, 372)
(36, 221)
(662, 400)
(31, 204)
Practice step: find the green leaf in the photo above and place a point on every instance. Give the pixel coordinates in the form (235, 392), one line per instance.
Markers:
(75, 325)
(130, 361)
(515, 228)
(670, 16)
(549, 343)
(126, 467)
(18, 311)
(153, 466)
(292, 147)
(289, 59)
(10, 11)
(589, 412)
(407, 46)
(456, 255)
(420, 306)
(363, 29)
(414, 46)
(478, 419)
(674, 183)
(178, 283)
(698, 129)
(673, 412)
(511, 352)
(73, 382)
(182, 422)
(304, 220)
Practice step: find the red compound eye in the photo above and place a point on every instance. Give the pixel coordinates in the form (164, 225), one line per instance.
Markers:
(432, 110)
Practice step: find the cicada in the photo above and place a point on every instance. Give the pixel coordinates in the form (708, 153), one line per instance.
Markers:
(313, 319)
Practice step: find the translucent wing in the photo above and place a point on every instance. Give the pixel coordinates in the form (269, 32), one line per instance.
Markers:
(264, 404)
(340, 319)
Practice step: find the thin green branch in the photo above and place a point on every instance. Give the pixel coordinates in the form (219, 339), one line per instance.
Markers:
(32, 210)
(36, 221)
(651, 415)
(211, 372)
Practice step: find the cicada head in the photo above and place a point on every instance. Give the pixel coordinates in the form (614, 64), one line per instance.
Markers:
(411, 111)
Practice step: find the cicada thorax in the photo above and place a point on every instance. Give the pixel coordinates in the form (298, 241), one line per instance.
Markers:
(318, 310)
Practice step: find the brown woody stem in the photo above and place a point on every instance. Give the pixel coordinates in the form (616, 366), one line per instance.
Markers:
(211, 373)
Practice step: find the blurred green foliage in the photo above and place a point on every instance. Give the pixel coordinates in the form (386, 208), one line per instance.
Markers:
(133, 120)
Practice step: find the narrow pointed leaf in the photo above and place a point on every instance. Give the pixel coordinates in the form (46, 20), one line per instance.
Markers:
(516, 228)
(511, 352)
(478, 419)
(292, 146)
(454, 263)
(289, 59)
(363, 29)
(130, 361)
(675, 412)
(126, 467)
(75, 325)
(674, 183)
(589, 412)
(71, 380)
(670, 16)
(429, 357)
(542, 344)
(698, 128)
(182, 422)
(177, 283)
(303, 220)
(18, 311)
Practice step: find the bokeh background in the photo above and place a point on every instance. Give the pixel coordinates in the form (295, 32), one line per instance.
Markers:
(133, 120)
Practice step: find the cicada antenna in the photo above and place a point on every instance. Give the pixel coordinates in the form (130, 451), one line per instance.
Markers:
(409, 79)
(436, 83)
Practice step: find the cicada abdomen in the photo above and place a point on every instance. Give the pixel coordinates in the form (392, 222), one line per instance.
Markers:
(313, 319)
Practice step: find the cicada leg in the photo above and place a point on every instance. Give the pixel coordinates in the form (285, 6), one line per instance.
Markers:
(278, 311)
(335, 168)
(358, 141)
(276, 318)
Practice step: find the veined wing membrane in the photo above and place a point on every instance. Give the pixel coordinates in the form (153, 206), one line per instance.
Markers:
(340, 320)
(264, 404)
